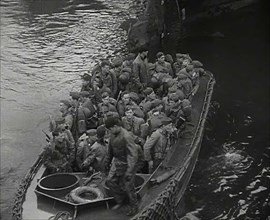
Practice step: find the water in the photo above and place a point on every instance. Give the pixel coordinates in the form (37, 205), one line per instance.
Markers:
(232, 176)
(45, 47)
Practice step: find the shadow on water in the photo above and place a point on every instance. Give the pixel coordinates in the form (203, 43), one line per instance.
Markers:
(232, 176)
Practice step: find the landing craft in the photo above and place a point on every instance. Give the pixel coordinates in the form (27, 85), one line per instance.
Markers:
(43, 196)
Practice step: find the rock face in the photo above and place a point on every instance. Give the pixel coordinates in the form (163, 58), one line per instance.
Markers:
(149, 27)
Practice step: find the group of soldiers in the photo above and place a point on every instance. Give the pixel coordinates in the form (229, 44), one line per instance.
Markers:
(124, 119)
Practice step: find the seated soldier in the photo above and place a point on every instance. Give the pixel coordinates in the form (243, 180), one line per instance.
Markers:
(57, 156)
(162, 66)
(156, 146)
(150, 96)
(198, 67)
(107, 105)
(66, 115)
(126, 101)
(117, 65)
(156, 115)
(178, 64)
(97, 153)
(86, 83)
(108, 78)
(84, 144)
(185, 84)
(128, 62)
(180, 111)
(124, 79)
(133, 124)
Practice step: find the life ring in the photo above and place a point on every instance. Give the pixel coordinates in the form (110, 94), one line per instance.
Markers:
(75, 194)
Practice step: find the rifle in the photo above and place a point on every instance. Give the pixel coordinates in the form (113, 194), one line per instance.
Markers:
(118, 97)
(76, 137)
(48, 138)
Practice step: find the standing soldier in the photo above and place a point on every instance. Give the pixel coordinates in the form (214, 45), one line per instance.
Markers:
(156, 145)
(134, 125)
(128, 158)
(140, 74)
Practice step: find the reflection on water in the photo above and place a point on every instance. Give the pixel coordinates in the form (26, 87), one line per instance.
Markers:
(45, 47)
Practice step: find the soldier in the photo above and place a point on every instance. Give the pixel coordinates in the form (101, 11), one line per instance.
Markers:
(97, 153)
(140, 75)
(162, 66)
(84, 145)
(156, 115)
(177, 66)
(180, 111)
(155, 147)
(133, 124)
(59, 154)
(117, 64)
(185, 85)
(108, 78)
(146, 104)
(128, 157)
(66, 117)
(128, 62)
(124, 80)
(126, 101)
(86, 83)
(105, 107)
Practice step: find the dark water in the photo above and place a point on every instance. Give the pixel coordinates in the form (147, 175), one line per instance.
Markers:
(45, 46)
(232, 177)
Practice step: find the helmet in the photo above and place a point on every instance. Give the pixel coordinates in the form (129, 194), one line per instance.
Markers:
(124, 78)
(155, 83)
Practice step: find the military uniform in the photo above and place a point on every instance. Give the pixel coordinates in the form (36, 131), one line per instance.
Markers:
(109, 80)
(140, 76)
(55, 161)
(185, 84)
(96, 157)
(164, 67)
(104, 109)
(155, 147)
(121, 106)
(128, 158)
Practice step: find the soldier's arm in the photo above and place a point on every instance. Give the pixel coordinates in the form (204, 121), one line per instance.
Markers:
(149, 144)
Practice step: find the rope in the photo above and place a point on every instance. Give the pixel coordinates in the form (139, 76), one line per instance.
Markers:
(21, 192)
(62, 215)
